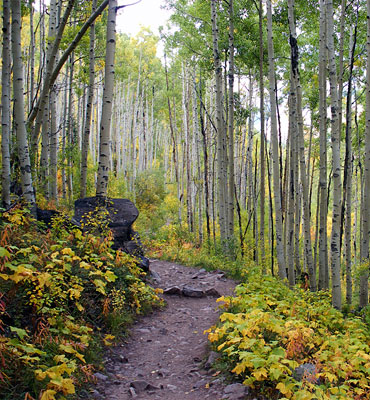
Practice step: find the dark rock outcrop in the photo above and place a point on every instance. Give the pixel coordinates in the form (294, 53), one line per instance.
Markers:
(122, 213)
(46, 216)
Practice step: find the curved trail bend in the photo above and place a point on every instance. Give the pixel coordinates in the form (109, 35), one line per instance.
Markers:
(164, 356)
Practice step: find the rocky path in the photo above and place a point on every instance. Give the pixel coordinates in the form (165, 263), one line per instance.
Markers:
(166, 356)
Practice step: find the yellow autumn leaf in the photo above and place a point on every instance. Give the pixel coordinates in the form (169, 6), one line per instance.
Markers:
(74, 293)
(60, 358)
(110, 276)
(283, 389)
(48, 395)
(239, 368)
(44, 279)
(260, 374)
(80, 357)
(85, 265)
(40, 375)
(21, 273)
(331, 377)
(100, 286)
(68, 251)
(68, 387)
(108, 340)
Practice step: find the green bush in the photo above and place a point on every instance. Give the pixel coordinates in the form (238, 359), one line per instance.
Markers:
(61, 294)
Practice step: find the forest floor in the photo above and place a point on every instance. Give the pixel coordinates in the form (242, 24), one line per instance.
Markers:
(166, 355)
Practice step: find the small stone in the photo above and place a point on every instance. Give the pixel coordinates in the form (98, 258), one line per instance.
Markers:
(163, 372)
(141, 386)
(189, 291)
(212, 292)
(173, 290)
(200, 384)
(96, 395)
(308, 372)
(100, 376)
(143, 330)
(172, 387)
(236, 391)
(132, 392)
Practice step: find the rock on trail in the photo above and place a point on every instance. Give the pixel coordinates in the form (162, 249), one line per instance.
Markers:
(166, 355)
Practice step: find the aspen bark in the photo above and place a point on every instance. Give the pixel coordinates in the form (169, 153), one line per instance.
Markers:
(347, 178)
(323, 235)
(221, 142)
(89, 105)
(297, 100)
(231, 177)
(262, 145)
(275, 148)
(6, 110)
(19, 118)
(335, 140)
(104, 149)
(364, 278)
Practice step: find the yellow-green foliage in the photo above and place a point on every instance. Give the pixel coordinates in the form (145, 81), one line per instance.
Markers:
(59, 292)
(269, 330)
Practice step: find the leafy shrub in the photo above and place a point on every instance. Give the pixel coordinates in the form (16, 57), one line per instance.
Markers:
(150, 189)
(61, 294)
(269, 330)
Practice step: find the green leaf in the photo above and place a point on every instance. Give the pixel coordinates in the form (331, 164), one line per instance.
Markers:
(20, 332)
(4, 252)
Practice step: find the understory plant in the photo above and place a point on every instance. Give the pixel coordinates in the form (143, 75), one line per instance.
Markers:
(64, 294)
(268, 330)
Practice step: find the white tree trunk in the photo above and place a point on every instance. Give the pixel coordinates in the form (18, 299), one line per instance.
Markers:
(364, 278)
(19, 117)
(6, 109)
(104, 149)
(337, 182)
(275, 148)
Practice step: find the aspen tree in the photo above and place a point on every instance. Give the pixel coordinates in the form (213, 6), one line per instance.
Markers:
(6, 110)
(275, 149)
(89, 105)
(348, 170)
(335, 140)
(323, 240)
(221, 142)
(365, 226)
(19, 118)
(296, 92)
(104, 149)
(231, 177)
(262, 138)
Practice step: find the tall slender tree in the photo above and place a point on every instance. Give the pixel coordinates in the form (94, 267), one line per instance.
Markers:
(364, 278)
(6, 111)
(19, 110)
(275, 148)
(104, 149)
(335, 141)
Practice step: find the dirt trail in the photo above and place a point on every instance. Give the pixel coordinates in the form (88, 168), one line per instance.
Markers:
(165, 354)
